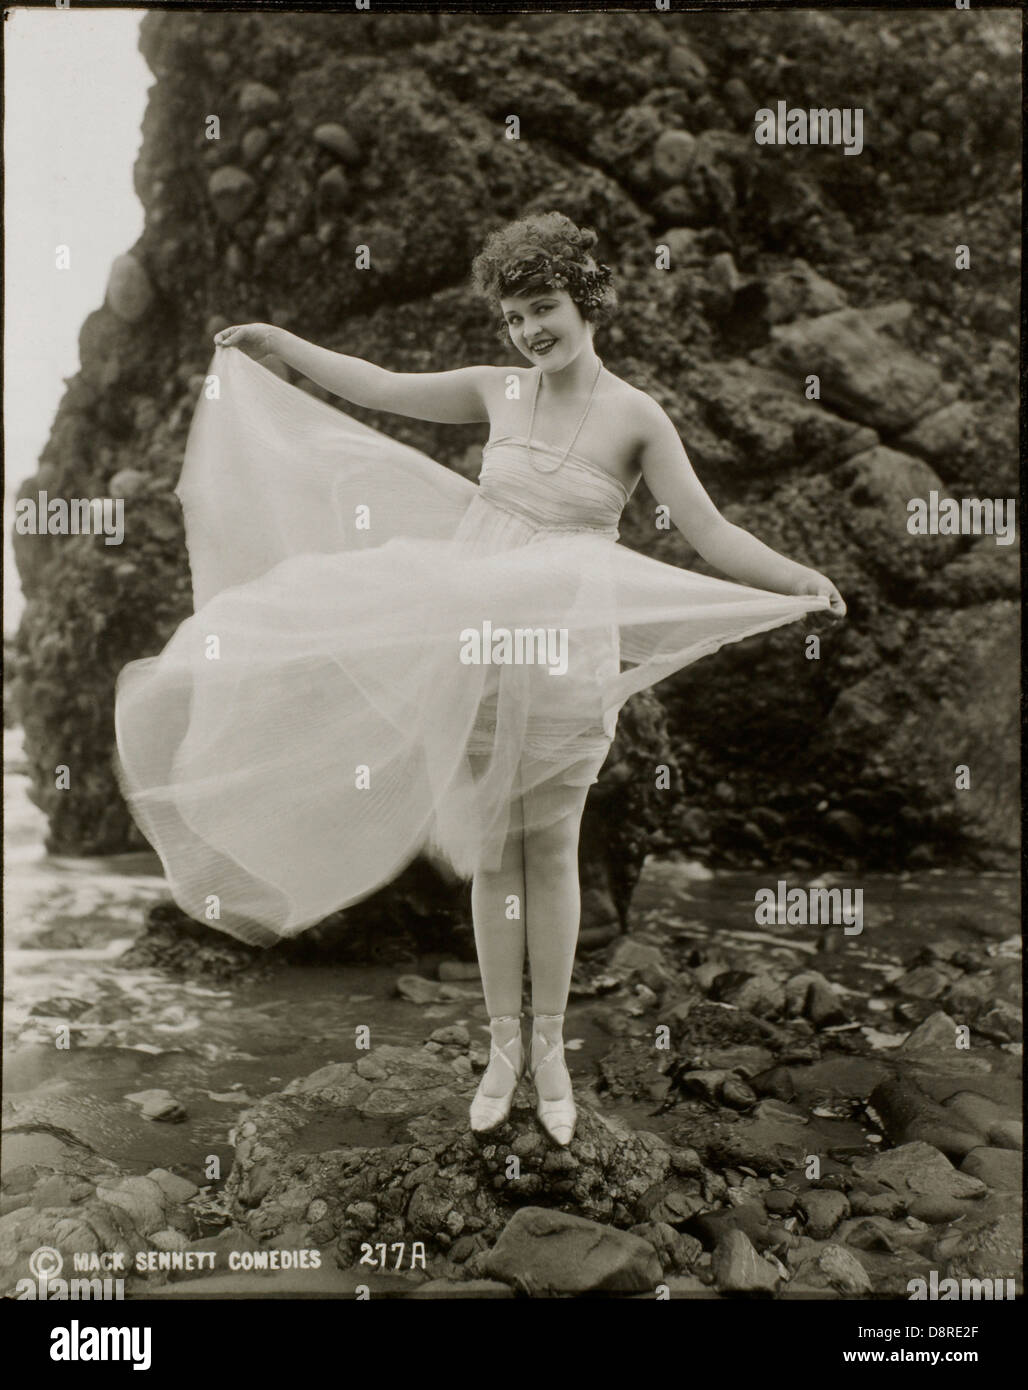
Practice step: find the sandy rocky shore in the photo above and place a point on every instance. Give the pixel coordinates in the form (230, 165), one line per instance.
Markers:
(691, 1170)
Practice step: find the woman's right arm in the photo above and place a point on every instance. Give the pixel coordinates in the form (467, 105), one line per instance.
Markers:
(457, 397)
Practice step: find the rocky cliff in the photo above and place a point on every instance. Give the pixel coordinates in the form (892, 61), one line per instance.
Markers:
(785, 262)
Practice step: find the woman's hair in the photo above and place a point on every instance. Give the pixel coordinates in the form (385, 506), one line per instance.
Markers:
(545, 251)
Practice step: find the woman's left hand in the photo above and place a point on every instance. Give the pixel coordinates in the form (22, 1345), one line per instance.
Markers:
(812, 582)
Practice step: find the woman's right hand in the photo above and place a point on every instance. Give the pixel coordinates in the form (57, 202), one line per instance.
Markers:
(255, 339)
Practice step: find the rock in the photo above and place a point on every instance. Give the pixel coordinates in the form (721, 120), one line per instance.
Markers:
(711, 1227)
(684, 65)
(918, 1170)
(453, 1035)
(159, 1105)
(924, 144)
(737, 1267)
(991, 1250)
(833, 1267)
(543, 1252)
(141, 1199)
(419, 990)
(675, 1251)
(175, 1189)
(863, 373)
(333, 188)
(462, 1288)
(811, 995)
(337, 139)
(232, 192)
(999, 1169)
(986, 1117)
(1002, 1023)
(798, 291)
(127, 482)
(129, 292)
(937, 1211)
(685, 245)
(673, 155)
(258, 100)
(758, 994)
(924, 982)
(254, 145)
(909, 1115)
(943, 435)
(779, 1201)
(822, 1212)
(934, 1040)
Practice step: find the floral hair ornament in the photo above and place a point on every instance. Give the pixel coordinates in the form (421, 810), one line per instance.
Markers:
(586, 285)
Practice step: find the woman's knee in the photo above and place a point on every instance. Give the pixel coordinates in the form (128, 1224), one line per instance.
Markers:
(553, 848)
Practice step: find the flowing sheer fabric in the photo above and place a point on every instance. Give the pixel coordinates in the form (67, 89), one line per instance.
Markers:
(344, 695)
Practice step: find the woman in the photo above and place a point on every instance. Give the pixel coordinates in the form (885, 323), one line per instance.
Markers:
(387, 658)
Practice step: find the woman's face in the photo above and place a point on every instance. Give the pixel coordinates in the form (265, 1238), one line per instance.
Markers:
(546, 327)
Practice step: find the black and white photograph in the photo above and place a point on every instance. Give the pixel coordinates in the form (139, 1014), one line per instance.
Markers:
(512, 669)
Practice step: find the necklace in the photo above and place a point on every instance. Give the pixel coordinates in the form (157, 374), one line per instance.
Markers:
(552, 467)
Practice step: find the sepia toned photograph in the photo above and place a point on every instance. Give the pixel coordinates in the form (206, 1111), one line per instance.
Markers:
(512, 661)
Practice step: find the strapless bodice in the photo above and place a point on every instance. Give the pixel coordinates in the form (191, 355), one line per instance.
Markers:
(577, 496)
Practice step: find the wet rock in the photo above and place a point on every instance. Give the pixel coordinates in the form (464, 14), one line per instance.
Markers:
(711, 1227)
(909, 1115)
(418, 1166)
(129, 292)
(918, 1170)
(466, 1288)
(810, 995)
(175, 1189)
(987, 1117)
(884, 1203)
(1004, 1022)
(999, 1169)
(453, 1035)
(158, 1105)
(822, 1212)
(758, 994)
(870, 1233)
(832, 1267)
(675, 1250)
(991, 1250)
(933, 1040)
(780, 1202)
(737, 1267)
(924, 982)
(543, 1252)
(937, 1211)
(419, 990)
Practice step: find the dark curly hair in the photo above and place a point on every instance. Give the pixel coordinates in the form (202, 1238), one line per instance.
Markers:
(545, 251)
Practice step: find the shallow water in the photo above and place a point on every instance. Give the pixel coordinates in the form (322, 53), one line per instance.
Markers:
(216, 1049)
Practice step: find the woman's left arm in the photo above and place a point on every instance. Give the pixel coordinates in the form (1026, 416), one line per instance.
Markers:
(672, 480)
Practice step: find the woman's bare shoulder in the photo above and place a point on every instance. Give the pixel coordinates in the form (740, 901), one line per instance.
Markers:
(640, 412)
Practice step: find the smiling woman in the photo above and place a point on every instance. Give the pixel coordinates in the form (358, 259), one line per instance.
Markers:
(317, 723)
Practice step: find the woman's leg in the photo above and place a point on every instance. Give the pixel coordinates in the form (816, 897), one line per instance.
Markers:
(554, 911)
(498, 915)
